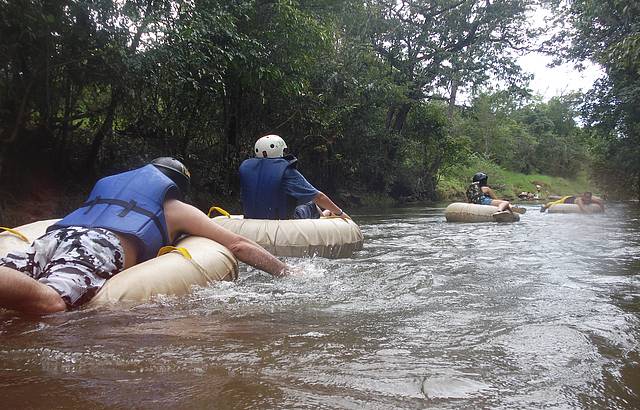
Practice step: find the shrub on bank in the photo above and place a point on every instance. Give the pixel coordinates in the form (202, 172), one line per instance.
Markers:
(453, 181)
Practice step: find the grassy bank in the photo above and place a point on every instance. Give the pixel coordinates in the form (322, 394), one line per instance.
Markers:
(43, 197)
(454, 181)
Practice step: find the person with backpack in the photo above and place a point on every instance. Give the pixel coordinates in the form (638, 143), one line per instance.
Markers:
(480, 193)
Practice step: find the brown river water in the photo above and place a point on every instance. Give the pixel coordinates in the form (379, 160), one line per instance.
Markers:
(543, 313)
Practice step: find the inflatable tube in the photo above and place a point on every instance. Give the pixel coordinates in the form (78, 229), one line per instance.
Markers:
(573, 209)
(324, 237)
(170, 274)
(463, 212)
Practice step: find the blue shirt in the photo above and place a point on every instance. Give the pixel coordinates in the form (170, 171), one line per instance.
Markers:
(296, 186)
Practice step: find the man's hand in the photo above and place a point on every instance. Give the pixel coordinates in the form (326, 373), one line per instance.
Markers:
(291, 271)
(327, 204)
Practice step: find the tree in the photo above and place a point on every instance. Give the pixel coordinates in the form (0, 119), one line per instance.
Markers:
(451, 43)
(608, 33)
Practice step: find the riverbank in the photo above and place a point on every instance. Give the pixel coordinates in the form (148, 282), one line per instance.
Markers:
(454, 181)
(41, 196)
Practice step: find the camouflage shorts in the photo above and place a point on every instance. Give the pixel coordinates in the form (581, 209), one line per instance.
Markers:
(74, 261)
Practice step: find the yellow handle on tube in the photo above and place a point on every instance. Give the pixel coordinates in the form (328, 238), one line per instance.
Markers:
(181, 251)
(16, 233)
(219, 210)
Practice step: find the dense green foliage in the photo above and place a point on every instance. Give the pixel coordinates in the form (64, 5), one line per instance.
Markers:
(608, 33)
(364, 92)
(535, 137)
(507, 183)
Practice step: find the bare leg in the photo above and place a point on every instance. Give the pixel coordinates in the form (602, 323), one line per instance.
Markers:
(502, 205)
(20, 292)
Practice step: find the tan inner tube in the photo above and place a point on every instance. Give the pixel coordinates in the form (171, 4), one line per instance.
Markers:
(573, 209)
(169, 274)
(172, 273)
(324, 237)
(464, 212)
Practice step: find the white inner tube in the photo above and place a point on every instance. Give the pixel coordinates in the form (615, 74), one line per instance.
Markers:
(464, 212)
(573, 209)
(325, 237)
(169, 274)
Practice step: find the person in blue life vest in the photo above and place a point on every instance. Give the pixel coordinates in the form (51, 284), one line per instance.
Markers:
(272, 187)
(127, 218)
(480, 193)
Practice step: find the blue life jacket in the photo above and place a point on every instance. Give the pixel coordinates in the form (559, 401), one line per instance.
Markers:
(261, 188)
(129, 203)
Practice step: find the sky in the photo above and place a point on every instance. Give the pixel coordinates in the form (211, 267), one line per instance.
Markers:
(553, 81)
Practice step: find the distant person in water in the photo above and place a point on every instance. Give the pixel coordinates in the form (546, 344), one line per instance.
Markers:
(537, 195)
(583, 201)
(127, 218)
(272, 187)
(480, 193)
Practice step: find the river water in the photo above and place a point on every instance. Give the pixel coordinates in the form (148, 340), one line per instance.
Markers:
(539, 313)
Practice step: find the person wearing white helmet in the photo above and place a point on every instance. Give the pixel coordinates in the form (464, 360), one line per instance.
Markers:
(272, 187)
(127, 218)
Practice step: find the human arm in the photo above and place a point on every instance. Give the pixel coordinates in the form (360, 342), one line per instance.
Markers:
(325, 202)
(296, 186)
(488, 191)
(581, 205)
(599, 202)
(584, 208)
(184, 218)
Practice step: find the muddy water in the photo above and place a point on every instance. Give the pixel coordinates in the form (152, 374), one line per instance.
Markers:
(540, 313)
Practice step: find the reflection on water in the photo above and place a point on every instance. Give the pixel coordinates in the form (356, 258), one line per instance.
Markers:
(540, 313)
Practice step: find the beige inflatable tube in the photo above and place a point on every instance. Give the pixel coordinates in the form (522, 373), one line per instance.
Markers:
(573, 209)
(324, 237)
(170, 274)
(463, 212)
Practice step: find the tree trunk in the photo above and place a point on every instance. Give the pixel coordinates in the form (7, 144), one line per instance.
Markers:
(397, 117)
(117, 91)
(17, 126)
(64, 127)
(455, 83)
(105, 129)
(230, 141)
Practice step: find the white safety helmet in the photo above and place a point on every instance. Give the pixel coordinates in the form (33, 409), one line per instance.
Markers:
(270, 146)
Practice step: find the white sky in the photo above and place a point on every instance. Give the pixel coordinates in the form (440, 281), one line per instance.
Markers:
(553, 81)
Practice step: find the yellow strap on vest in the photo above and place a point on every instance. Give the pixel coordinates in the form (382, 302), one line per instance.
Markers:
(218, 210)
(182, 251)
(16, 233)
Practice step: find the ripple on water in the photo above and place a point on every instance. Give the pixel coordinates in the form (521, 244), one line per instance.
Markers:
(527, 315)
(454, 386)
(547, 364)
